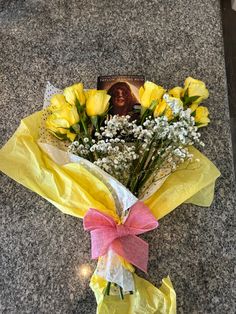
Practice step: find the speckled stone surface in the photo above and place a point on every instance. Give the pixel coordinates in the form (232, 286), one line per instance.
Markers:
(65, 41)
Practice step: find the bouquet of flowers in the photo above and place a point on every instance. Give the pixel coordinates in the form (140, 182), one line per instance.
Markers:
(120, 173)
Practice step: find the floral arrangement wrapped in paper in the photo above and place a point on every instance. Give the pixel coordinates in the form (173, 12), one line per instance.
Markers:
(120, 173)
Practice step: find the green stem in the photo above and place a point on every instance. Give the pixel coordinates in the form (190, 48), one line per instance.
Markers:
(134, 166)
(145, 114)
(84, 127)
(149, 164)
(134, 182)
(150, 172)
(107, 290)
(121, 293)
(153, 167)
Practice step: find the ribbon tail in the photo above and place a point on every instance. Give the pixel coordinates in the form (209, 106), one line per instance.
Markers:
(133, 249)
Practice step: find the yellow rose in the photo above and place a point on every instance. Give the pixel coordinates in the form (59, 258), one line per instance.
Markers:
(193, 107)
(53, 124)
(163, 108)
(69, 113)
(160, 108)
(75, 93)
(57, 102)
(196, 88)
(97, 102)
(201, 116)
(176, 92)
(150, 92)
(60, 121)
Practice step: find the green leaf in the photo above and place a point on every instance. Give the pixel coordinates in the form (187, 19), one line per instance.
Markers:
(190, 100)
(80, 108)
(75, 128)
(186, 93)
(143, 110)
(94, 121)
(153, 105)
(61, 137)
(193, 98)
(185, 96)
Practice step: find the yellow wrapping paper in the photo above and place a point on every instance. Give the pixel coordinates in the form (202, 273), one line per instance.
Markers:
(73, 189)
(190, 183)
(147, 299)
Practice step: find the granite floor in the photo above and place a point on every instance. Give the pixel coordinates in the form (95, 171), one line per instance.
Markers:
(63, 41)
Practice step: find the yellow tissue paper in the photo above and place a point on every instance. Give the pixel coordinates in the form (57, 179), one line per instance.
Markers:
(147, 299)
(73, 190)
(190, 183)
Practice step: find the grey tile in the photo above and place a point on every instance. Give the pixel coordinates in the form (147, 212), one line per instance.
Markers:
(233, 134)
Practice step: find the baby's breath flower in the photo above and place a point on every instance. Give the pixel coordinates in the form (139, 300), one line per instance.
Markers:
(120, 145)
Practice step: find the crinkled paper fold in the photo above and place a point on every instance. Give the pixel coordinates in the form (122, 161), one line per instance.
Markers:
(73, 189)
(147, 299)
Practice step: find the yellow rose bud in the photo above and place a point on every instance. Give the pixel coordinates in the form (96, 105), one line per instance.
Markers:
(62, 119)
(201, 116)
(168, 113)
(97, 102)
(160, 108)
(193, 107)
(176, 92)
(75, 93)
(150, 92)
(196, 88)
(163, 108)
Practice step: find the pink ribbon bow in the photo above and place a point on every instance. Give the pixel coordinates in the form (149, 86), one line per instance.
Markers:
(122, 239)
